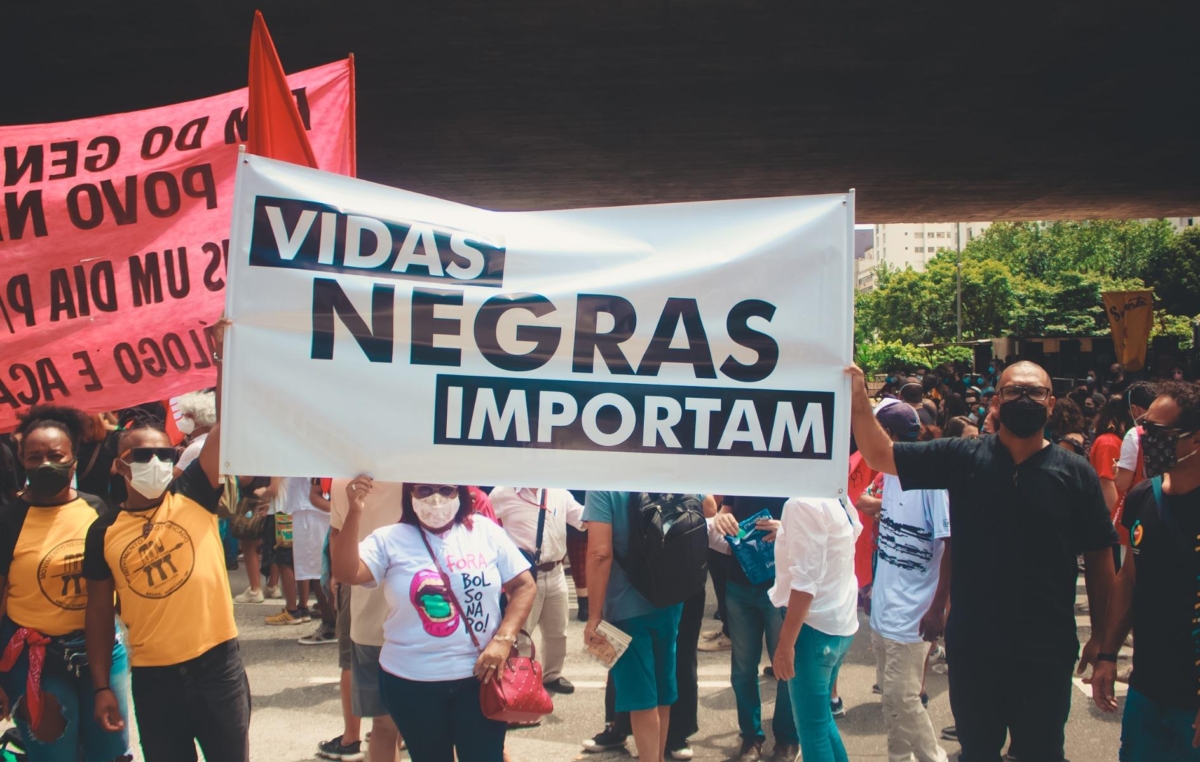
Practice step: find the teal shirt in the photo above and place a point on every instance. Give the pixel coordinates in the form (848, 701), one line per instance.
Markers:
(622, 600)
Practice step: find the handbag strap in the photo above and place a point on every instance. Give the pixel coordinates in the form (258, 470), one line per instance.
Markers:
(450, 590)
(541, 530)
(1168, 517)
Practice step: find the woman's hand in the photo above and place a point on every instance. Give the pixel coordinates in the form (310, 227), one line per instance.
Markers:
(358, 489)
(770, 526)
(784, 662)
(108, 712)
(492, 660)
(726, 524)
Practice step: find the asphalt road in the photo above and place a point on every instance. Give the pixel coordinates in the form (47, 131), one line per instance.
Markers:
(296, 701)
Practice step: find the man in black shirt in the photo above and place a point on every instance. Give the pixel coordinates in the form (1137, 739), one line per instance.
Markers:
(1020, 511)
(1158, 589)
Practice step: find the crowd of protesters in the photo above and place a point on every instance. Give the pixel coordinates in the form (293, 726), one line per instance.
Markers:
(118, 532)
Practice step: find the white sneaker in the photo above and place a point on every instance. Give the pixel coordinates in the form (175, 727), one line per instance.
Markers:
(274, 593)
(249, 596)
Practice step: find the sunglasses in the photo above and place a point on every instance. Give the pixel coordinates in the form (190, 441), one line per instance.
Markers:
(147, 454)
(1035, 393)
(426, 491)
(1157, 429)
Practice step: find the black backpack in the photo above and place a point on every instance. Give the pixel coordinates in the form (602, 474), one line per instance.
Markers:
(667, 561)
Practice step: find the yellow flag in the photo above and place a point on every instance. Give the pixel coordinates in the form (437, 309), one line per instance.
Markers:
(1131, 315)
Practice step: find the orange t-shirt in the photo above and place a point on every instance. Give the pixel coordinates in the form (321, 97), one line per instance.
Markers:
(170, 577)
(41, 554)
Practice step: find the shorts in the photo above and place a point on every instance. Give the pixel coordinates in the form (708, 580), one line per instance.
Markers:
(345, 645)
(308, 538)
(271, 555)
(366, 700)
(644, 676)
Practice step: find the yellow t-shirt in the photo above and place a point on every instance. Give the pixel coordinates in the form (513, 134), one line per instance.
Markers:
(41, 553)
(171, 582)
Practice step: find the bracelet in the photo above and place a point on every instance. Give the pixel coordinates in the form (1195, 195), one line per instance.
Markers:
(102, 689)
(1107, 657)
(506, 638)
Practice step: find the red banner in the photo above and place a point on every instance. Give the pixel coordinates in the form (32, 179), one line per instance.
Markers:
(114, 232)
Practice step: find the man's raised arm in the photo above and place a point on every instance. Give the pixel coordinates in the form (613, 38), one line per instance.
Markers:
(873, 442)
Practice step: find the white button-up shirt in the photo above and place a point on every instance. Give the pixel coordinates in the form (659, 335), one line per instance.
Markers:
(517, 510)
(814, 553)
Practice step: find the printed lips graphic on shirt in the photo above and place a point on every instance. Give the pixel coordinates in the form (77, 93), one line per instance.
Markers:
(432, 601)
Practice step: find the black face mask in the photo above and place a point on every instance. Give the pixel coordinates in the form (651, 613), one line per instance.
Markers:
(1023, 417)
(1158, 451)
(49, 479)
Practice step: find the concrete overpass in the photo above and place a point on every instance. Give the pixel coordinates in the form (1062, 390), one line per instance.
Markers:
(933, 111)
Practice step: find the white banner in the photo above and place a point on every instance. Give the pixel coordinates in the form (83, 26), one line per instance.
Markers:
(679, 347)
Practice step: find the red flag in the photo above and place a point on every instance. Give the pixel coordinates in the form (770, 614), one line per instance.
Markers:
(171, 423)
(274, 127)
(861, 476)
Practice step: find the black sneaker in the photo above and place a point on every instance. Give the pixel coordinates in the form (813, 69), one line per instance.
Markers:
(335, 749)
(950, 733)
(606, 740)
(837, 708)
(751, 750)
(583, 610)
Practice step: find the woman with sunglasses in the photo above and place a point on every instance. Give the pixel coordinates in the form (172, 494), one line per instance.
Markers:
(162, 554)
(41, 550)
(443, 570)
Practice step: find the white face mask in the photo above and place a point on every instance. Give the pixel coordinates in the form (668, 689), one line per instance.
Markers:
(435, 511)
(185, 425)
(151, 479)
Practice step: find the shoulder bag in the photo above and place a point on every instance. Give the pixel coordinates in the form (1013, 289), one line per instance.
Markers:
(517, 693)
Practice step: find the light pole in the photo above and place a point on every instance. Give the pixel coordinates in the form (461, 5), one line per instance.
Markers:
(958, 275)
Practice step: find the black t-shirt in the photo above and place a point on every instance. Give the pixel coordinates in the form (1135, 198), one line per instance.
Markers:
(1017, 530)
(1164, 595)
(743, 508)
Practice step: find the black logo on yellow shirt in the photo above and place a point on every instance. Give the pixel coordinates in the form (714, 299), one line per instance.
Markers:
(60, 576)
(159, 564)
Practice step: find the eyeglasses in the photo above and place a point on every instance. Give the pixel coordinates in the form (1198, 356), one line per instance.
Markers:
(147, 454)
(426, 491)
(1035, 393)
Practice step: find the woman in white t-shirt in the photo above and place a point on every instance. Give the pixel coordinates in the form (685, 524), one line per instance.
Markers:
(443, 570)
(815, 582)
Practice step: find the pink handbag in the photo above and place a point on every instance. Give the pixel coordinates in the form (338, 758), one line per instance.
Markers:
(517, 694)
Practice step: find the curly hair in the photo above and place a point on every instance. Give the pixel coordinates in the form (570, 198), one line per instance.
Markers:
(1187, 397)
(70, 421)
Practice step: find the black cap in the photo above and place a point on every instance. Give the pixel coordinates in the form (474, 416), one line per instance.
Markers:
(900, 420)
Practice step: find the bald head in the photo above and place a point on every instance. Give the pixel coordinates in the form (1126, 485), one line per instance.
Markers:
(1025, 373)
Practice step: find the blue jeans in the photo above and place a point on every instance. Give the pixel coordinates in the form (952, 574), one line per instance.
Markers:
(438, 719)
(751, 616)
(82, 740)
(818, 659)
(1150, 732)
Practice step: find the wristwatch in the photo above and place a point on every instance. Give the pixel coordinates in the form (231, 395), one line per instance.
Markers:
(1107, 657)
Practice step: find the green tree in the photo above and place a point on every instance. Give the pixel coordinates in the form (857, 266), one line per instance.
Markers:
(1174, 273)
